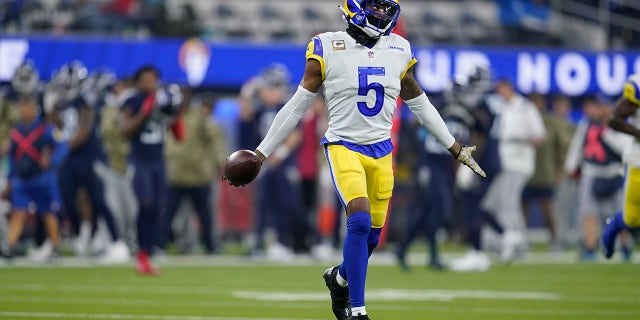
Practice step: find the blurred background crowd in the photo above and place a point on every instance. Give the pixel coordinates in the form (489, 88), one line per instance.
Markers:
(575, 23)
(573, 185)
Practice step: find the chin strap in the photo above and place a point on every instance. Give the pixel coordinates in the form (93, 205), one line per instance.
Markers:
(360, 36)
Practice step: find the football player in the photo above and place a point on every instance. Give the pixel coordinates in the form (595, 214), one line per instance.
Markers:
(362, 70)
(629, 218)
(436, 175)
(145, 118)
(78, 120)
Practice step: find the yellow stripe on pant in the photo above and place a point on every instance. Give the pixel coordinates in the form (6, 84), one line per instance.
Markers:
(632, 198)
(356, 175)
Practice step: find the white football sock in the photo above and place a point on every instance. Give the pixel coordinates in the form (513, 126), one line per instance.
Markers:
(358, 311)
(340, 280)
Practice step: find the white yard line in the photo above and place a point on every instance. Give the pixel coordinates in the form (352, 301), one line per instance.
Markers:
(119, 316)
(284, 296)
(414, 308)
(402, 295)
(170, 290)
(151, 302)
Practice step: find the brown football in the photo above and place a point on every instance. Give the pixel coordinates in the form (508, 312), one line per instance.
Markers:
(242, 167)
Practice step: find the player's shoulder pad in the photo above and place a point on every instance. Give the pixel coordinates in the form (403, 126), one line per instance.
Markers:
(401, 45)
(397, 42)
(632, 89)
(316, 49)
(398, 39)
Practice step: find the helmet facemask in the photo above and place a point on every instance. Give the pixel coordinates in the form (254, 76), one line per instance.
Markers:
(374, 17)
(69, 79)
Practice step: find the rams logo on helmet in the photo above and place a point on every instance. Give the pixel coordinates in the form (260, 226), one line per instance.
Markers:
(374, 17)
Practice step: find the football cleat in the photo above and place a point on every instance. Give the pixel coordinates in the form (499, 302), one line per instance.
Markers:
(512, 242)
(340, 302)
(144, 266)
(610, 234)
(375, 17)
(116, 253)
(360, 317)
(473, 261)
(437, 265)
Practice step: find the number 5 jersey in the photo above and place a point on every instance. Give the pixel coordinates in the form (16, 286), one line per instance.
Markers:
(361, 84)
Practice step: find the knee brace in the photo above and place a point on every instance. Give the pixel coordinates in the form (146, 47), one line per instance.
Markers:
(359, 222)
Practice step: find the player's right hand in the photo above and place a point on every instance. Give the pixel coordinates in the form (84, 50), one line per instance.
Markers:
(466, 158)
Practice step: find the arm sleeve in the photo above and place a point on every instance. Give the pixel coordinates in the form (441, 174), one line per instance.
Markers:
(430, 119)
(286, 120)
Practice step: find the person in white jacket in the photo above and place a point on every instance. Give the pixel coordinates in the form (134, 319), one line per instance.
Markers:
(520, 129)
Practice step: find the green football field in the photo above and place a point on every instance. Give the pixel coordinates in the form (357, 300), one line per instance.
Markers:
(209, 290)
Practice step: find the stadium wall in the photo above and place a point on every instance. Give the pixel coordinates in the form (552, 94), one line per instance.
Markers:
(228, 65)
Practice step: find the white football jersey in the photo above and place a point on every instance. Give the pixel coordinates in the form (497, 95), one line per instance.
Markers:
(361, 85)
(632, 93)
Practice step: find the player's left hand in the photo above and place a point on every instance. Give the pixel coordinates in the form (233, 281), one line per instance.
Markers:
(465, 157)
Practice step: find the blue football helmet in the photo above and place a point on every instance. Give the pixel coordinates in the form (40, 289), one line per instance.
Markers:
(275, 74)
(97, 84)
(374, 17)
(470, 89)
(101, 79)
(69, 79)
(481, 79)
(25, 78)
(169, 99)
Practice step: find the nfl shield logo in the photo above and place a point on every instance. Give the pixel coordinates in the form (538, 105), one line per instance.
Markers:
(371, 54)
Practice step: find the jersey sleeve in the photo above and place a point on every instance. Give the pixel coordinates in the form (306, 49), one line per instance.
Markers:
(411, 58)
(315, 51)
(632, 89)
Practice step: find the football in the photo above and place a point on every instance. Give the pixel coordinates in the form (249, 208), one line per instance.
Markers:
(241, 167)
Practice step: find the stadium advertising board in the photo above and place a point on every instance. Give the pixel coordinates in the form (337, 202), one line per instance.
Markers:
(228, 65)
